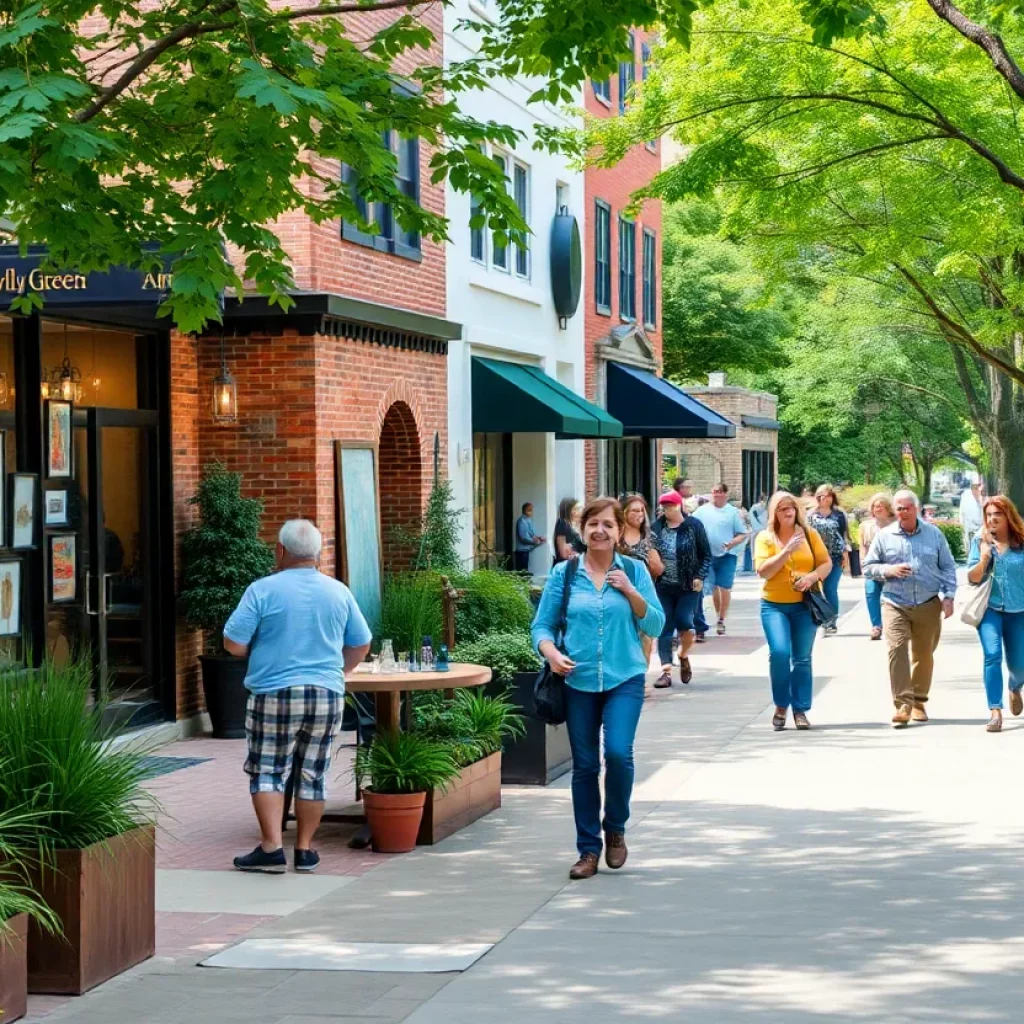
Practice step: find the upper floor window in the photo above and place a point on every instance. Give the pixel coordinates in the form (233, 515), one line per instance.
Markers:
(645, 61)
(521, 194)
(603, 257)
(511, 254)
(602, 89)
(391, 237)
(627, 269)
(650, 278)
(499, 253)
(627, 75)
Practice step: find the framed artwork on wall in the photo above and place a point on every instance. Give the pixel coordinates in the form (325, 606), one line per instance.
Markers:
(59, 447)
(10, 598)
(63, 568)
(55, 508)
(23, 511)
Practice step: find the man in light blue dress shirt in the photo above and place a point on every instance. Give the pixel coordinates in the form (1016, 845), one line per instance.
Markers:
(913, 560)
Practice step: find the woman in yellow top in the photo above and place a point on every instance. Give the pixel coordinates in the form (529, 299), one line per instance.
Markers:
(790, 558)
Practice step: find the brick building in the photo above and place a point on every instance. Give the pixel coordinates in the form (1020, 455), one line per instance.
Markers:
(622, 306)
(748, 462)
(341, 415)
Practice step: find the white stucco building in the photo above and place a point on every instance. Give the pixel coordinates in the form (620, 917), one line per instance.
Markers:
(516, 377)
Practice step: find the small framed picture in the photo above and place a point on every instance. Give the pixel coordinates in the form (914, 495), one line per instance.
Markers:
(58, 440)
(10, 598)
(24, 516)
(55, 508)
(63, 568)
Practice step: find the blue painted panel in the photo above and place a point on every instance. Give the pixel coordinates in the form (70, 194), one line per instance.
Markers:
(362, 539)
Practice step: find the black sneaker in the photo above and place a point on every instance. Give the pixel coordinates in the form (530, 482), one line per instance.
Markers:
(259, 860)
(306, 860)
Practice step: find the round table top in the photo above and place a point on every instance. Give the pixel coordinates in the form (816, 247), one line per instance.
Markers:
(459, 674)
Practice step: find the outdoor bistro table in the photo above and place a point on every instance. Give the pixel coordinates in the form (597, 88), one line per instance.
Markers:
(387, 689)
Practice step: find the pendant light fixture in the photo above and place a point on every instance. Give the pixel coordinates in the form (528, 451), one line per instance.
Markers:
(225, 392)
(64, 381)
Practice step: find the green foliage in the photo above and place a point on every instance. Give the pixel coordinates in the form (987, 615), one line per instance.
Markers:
(223, 555)
(19, 832)
(404, 762)
(492, 597)
(504, 652)
(411, 608)
(60, 765)
(473, 724)
(955, 538)
(434, 540)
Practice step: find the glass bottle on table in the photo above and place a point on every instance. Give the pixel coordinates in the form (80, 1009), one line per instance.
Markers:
(427, 654)
(387, 656)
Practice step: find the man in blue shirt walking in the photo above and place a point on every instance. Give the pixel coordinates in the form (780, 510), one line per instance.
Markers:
(913, 560)
(302, 631)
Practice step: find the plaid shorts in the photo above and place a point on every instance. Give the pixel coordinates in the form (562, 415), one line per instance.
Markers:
(295, 726)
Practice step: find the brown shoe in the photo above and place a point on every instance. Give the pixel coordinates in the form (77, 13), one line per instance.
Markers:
(800, 720)
(615, 852)
(585, 867)
(902, 716)
(664, 681)
(685, 672)
(995, 723)
(919, 714)
(1016, 702)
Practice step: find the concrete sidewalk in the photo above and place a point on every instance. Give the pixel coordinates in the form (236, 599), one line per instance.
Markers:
(853, 873)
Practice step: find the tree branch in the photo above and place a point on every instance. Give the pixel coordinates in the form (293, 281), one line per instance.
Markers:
(991, 43)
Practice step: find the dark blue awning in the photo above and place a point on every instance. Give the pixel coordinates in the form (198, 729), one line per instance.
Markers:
(650, 406)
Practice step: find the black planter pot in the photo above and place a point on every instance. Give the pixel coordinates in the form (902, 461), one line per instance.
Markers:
(542, 754)
(225, 693)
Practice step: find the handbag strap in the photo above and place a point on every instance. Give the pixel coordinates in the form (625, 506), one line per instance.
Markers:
(567, 580)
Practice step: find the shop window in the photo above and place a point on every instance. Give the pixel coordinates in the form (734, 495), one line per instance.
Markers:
(101, 362)
(629, 467)
(758, 475)
(492, 500)
(627, 269)
(603, 257)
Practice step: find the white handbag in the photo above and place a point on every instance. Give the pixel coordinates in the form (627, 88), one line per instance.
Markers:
(977, 603)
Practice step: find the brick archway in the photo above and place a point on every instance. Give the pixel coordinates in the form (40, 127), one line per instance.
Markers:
(401, 474)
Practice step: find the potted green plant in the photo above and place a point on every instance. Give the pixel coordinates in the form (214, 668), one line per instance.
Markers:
(401, 768)
(540, 752)
(18, 904)
(220, 557)
(91, 859)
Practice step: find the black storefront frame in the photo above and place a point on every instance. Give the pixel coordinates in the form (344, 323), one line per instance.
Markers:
(153, 353)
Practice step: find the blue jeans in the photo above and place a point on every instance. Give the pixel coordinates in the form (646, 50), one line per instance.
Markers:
(700, 624)
(873, 596)
(831, 587)
(680, 607)
(617, 711)
(748, 557)
(789, 630)
(1001, 632)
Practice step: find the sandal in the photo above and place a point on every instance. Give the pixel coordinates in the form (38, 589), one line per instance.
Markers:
(663, 681)
(720, 628)
(779, 719)
(995, 724)
(800, 720)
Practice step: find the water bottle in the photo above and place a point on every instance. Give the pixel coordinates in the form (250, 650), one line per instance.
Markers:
(442, 659)
(427, 654)
(414, 665)
(387, 656)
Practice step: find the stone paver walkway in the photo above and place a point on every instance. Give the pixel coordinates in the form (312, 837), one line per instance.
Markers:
(850, 874)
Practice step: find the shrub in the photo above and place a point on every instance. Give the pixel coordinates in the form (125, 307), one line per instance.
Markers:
(404, 762)
(473, 725)
(505, 653)
(492, 597)
(955, 538)
(223, 554)
(410, 609)
(60, 765)
(433, 540)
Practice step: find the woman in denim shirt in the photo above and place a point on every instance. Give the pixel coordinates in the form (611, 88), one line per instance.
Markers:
(603, 662)
(999, 549)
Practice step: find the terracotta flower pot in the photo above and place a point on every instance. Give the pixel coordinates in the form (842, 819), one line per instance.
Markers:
(394, 819)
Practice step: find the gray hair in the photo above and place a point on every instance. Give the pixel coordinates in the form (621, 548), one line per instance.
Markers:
(301, 539)
(906, 493)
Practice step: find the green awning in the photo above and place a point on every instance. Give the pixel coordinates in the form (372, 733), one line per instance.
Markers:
(512, 398)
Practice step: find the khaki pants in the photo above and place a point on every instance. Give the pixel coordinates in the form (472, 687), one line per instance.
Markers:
(913, 634)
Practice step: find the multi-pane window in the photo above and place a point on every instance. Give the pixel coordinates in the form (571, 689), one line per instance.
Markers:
(391, 237)
(477, 240)
(603, 257)
(650, 278)
(521, 194)
(645, 61)
(627, 76)
(499, 253)
(627, 269)
(602, 89)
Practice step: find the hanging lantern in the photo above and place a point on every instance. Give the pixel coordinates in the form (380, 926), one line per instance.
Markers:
(225, 392)
(5, 391)
(64, 381)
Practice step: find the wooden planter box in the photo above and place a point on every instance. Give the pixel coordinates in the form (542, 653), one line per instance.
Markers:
(105, 897)
(542, 754)
(476, 792)
(14, 969)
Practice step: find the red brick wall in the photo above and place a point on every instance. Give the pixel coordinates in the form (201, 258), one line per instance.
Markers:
(615, 186)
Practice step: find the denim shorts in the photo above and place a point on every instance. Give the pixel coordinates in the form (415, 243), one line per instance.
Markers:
(724, 570)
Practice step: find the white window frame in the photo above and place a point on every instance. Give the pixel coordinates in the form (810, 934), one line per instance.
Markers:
(510, 163)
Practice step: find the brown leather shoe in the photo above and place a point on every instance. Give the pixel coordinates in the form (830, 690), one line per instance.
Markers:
(585, 867)
(1016, 702)
(919, 714)
(615, 852)
(685, 671)
(902, 716)
(664, 681)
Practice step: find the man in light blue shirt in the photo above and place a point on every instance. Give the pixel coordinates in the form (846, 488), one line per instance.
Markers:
(726, 531)
(301, 631)
(914, 562)
(526, 539)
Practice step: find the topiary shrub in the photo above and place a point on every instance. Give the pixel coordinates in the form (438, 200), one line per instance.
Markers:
(223, 554)
(491, 598)
(955, 538)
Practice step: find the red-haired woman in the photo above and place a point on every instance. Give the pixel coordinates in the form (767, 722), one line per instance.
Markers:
(998, 550)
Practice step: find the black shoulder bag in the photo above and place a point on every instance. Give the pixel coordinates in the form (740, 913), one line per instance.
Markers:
(822, 612)
(549, 688)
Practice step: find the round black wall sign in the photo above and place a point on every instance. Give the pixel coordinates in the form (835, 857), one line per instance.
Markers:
(566, 264)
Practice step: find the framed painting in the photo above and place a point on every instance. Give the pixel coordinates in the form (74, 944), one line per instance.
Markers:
(55, 508)
(63, 568)
(59, 446)
(23, 511)
(357, 504)
(10, 598)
